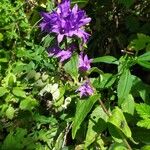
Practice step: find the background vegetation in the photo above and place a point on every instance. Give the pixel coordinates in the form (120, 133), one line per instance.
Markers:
(39, 109)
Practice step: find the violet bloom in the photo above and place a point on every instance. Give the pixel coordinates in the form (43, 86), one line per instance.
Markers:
(85, 89)
(62, 55)
(66, 22)
(84, 62)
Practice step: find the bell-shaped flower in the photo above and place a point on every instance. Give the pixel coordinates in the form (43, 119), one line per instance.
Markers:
(85, 89)
(84, 62)
(66, 22)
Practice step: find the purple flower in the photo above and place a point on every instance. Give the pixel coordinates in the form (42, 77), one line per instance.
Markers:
(61, 54)
(66, 22)
(84, 62)
(53, 51)
(64, 55)
(85, 89)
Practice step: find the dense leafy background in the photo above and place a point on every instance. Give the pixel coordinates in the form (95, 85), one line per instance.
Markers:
(39, 108)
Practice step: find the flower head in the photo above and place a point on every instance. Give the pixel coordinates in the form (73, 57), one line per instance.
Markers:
(66, 22)
(61, 54)
(85, 89)
(84, 62)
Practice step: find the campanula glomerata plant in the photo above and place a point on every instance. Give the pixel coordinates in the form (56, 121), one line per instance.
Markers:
(74, 75)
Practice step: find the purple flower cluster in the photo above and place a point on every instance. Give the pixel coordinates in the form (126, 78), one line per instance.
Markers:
(66, 22)
(62, 55)
(85, 89)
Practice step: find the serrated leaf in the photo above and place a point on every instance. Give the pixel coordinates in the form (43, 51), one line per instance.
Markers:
(128, 104)
(106, 59)
(17, 91)
(140, 43)
(83, 108)
(3, 91)
(118, 120)
(124, 84)
(143, 110)
(71, 67)
(10, 112)
(144, 123)
(97, 124)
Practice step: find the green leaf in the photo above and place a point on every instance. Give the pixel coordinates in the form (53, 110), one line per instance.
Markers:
(71, 67)
(28, 104)
(140, 42)
(3, 91)
(118, 146)
(59, 141)
(83, 108)
(104, 81)
(10, 112)
(144, 123)
(81, 3)
(124, 84)
(141, 135)
(145, 64)
(17, 91)
(143, 110)
(95, 69)
(106, 59)
(126, 3)
(146, 147)
(97, 124)
(144, 60)
(143, 92)
(128, 104)
(1, 37)
(15, 140)
(118, 120)
(144, 57)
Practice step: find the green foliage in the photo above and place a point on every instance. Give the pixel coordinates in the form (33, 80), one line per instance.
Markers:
(144, 112)
(83, 108)
(39, 108)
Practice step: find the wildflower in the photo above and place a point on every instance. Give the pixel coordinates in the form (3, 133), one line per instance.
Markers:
(85, 89)
(64, 55)
(61, 54)
(66, 22)
(84, 62)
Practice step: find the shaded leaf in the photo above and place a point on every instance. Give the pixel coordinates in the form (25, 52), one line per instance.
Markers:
(118, 120)
(97, 124)
(83, 108)
(71, 67)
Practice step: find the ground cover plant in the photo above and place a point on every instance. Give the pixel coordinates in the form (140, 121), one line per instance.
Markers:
(74, 75)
